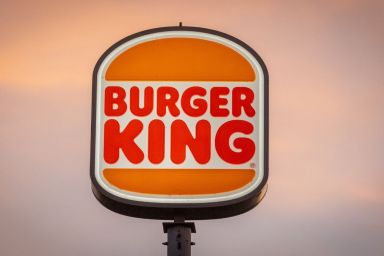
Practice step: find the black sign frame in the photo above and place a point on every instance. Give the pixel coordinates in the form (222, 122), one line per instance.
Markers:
(194, 211)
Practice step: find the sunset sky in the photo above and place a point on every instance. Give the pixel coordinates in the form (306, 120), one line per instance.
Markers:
(326, 184)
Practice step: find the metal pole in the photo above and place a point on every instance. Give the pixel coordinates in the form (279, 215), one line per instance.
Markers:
(179, 237)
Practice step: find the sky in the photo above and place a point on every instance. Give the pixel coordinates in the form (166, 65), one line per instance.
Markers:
(326, 184)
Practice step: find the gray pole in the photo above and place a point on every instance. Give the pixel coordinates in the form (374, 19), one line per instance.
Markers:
(179, 237)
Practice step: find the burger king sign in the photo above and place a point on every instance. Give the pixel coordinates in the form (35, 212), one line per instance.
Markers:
(180, 125)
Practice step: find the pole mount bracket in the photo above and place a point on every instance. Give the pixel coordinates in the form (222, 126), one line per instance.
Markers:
(167, 225)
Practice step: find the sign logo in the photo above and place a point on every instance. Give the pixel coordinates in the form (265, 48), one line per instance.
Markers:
(180, 125)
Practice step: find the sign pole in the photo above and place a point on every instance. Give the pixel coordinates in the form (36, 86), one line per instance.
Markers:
(179, 237)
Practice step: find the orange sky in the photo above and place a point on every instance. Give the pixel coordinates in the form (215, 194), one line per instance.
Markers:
(326, 186)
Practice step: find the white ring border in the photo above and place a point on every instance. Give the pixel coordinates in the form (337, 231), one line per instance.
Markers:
(178, 199)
